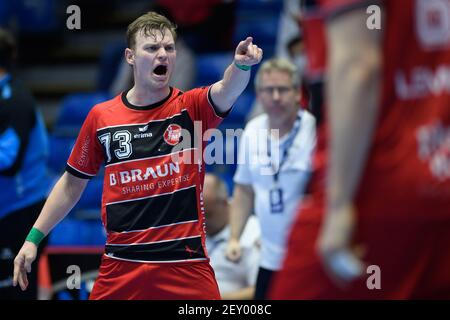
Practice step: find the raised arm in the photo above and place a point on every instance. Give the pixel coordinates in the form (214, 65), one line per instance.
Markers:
(61, 200)
(225, 92)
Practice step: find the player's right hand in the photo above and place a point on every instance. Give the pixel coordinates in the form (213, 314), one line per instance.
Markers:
(233, 251)
(341, 259)
(22, 264)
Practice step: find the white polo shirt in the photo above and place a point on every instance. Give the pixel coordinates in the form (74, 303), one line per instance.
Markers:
(254, 169)
(232, 276)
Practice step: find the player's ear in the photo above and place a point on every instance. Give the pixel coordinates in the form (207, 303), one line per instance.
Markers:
(129, 56)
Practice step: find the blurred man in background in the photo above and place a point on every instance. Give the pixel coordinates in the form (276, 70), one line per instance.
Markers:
(236, 280)
(23, 172)
(385, 201)
(273, 188)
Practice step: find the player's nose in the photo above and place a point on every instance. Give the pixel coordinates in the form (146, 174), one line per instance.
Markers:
(162, 53)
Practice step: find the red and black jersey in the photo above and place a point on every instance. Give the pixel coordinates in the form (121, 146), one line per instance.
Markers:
(152, 204)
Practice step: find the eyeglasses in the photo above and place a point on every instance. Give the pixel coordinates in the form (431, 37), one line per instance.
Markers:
(270, 90)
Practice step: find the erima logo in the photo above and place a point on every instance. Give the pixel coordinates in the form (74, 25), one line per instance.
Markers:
(143, 135)
(142, 175)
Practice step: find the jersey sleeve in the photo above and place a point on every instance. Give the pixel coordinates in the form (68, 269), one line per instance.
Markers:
(202, 108)
(87, 153)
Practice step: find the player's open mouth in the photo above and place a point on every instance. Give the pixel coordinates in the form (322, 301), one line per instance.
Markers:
(160, 70)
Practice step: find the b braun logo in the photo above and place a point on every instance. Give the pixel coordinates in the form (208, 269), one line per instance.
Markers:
(172, 134)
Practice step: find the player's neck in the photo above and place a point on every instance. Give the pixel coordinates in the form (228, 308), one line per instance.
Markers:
(143, 97)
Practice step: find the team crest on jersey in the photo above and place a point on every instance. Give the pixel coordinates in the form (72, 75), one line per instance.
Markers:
(172, 134)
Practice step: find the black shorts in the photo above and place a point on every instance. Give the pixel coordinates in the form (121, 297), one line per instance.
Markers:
(263, 281)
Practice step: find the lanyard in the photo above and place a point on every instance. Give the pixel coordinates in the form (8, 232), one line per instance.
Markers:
(288, 144)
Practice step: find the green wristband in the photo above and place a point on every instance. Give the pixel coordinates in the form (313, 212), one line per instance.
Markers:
(242, 67)
(35, 236)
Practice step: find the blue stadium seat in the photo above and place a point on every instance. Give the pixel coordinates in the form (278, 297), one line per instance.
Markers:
(70, 232)
(6, 13)
(78, 232)
(60, 148)
(74, 110)
(259, 6)
(97, 235)
(37, 16)
(210, 67)
(241, 107)
(228, 179)
(226, 152)
(263, 29)
(92, 197)
(110, 60)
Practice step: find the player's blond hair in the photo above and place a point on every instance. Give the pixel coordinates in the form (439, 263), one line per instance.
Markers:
(149, 24)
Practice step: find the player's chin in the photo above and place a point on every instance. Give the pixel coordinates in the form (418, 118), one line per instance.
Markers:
(160, 82)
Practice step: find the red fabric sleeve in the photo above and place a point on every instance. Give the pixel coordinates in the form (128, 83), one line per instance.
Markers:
(87, 153)
(201, 108)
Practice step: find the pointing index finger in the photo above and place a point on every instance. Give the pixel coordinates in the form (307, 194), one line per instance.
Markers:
(245, 44)
(248, 41)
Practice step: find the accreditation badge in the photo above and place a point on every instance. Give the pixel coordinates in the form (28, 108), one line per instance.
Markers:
(276, 200)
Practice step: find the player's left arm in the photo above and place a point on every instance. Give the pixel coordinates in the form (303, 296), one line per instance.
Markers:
(352, 96)
(225, 92)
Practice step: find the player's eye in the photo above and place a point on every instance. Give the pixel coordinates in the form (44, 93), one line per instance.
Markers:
(170, 48)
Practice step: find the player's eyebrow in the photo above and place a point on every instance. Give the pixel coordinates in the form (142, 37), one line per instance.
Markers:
(171, 43)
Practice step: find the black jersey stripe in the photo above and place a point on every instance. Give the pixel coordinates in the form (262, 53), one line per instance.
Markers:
(77, 173)
(147, 107)
(180, 153)
(131, 142)
(178, 249)
(150, 196)
(179, 206)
